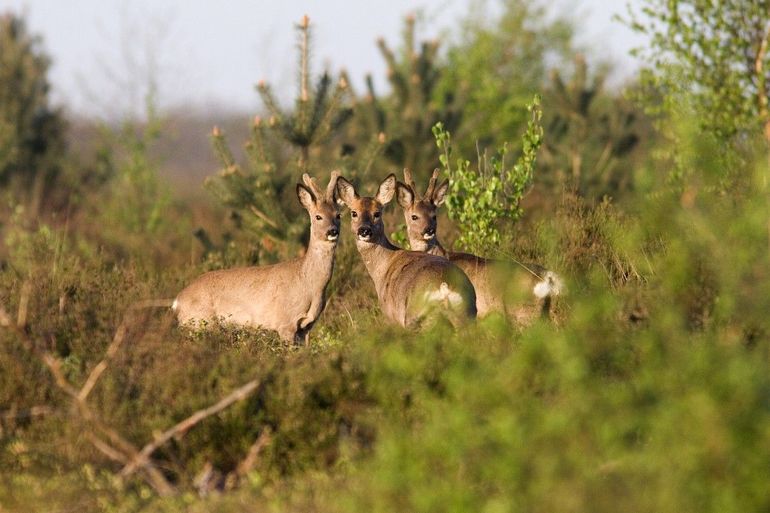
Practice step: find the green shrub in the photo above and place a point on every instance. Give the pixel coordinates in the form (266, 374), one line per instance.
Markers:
(479, 199)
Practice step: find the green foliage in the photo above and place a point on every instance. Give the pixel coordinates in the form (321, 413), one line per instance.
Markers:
(31, 132)
(479, 199)
(589, 135)
(262, 196)
(144, 199)
(413, 105)
(125, 208)
(497, 64)
(665, 326)
(550, 425)
(256, 196)
(318, 113)
(712, 57)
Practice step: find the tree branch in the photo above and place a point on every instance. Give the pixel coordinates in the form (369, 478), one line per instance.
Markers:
(155, 477)
(141, 459)
(120, 335)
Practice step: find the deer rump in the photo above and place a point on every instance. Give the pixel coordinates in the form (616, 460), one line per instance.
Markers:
(417, 289)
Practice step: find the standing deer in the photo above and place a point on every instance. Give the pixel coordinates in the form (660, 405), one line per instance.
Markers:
(410, 285)
(286, 297)
(520, 291)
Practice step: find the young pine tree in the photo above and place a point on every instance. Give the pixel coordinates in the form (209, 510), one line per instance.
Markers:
(588, 134)
(407, 115)
(258, 194)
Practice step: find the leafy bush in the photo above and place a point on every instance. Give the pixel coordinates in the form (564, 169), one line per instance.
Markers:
(479, 199)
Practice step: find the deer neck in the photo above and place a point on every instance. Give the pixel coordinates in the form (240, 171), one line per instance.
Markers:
(432, 247)
(317, 263)
(377, 256)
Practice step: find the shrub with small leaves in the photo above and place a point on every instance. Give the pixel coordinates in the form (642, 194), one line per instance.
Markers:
(480, 198)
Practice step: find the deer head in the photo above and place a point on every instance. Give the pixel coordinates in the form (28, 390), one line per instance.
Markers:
(321, 207)
(420, 211)
(366, 212)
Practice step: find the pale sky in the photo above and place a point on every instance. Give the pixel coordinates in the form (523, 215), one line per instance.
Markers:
(205, 53)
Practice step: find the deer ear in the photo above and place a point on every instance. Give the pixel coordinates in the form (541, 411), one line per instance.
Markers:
(439, 195)
(387, 190)
(404, 195)
(346, 193)
(305, 196)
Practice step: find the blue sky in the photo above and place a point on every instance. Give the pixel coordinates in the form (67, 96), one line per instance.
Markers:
(203, 54)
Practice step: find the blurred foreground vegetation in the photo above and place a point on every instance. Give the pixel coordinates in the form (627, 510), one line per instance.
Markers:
(649, 390)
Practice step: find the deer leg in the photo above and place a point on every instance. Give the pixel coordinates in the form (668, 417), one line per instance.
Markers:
(288, 333)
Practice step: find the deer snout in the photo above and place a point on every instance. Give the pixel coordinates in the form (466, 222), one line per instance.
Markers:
(364, 233)
(429, 233)
(332, 234)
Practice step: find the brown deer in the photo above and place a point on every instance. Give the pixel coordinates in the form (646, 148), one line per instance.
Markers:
(286, 297)
(520, 291)
(410, 286)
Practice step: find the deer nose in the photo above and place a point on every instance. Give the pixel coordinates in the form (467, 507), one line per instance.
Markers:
(333, 233)
(364, 232)
(430, 231)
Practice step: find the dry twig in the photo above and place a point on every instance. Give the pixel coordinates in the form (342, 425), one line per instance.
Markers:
(248, 463)
(107, 440)
(155, 477)
(120, 335)
(143, 456)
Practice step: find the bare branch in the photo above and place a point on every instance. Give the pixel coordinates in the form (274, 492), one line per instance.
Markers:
(120, 335)
(248, 463)
(250, 460)
(142, 458)
(155, 477)
(26, 290)
(106, 449)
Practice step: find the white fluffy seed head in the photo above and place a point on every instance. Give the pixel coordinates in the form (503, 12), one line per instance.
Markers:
(550, 286)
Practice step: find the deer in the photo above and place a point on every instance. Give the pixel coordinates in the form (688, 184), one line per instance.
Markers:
(411, 287)
(287, 297)
(519, 291)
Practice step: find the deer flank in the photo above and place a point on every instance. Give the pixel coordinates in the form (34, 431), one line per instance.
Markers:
(286, 297)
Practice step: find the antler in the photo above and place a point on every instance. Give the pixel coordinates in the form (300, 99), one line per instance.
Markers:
(332, 187)
(432, 184)
(312, 185)
(409, 180)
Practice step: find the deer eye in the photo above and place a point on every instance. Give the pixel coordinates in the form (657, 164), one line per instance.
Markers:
(318, 217)
(376, 215)
(414, 217)
(338, 216)
(353, 213)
